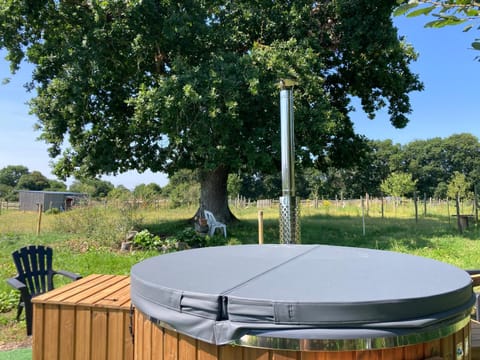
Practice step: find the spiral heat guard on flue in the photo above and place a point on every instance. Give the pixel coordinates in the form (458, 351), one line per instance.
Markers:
(289, 209)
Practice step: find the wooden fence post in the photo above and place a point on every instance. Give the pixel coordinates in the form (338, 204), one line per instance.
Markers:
(415, 202)
(39, 223)
(260, 227)
(424, 204)
(383, 210)
(475, 203)
(363, 215)
(459, 221)
(367, 207)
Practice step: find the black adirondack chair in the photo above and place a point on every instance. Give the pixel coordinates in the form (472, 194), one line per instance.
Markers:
(35, 277)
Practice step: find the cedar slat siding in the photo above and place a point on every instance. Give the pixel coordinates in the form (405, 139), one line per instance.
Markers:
(153, 342)
(84, 320)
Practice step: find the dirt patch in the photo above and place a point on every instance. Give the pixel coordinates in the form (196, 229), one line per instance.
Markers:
(27, 343)
(13, 334)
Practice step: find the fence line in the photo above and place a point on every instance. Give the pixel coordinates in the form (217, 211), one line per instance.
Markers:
(9, 205)
(372, 205)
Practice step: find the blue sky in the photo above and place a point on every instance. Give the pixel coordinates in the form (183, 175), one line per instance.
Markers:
(448, 105)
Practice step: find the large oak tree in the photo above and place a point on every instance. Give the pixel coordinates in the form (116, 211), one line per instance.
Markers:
(168, 85)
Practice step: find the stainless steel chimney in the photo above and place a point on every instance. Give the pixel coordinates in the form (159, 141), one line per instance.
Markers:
(289, 206)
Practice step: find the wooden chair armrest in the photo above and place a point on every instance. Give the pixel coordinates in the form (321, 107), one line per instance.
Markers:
(68, 274)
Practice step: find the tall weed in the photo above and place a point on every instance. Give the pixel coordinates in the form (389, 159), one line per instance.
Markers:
(104, 225)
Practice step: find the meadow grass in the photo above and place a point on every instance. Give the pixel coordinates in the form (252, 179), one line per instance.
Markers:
(87, 240)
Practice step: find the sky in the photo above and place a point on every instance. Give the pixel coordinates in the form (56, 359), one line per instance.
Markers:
(448, 105)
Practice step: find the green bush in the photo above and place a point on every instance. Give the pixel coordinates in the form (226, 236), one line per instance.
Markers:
(8, 300)
(52, 211)
(145, 240)
(184, 239)
(215, 240)
(189, 237)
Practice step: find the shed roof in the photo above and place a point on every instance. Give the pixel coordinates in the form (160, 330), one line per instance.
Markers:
(53, 192)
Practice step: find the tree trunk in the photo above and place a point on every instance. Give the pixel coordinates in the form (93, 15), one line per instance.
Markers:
(213, 194)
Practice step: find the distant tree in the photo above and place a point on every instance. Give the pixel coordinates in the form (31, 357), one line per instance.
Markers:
(336, 185)
(148, 192)
(251, 186)
(96, 188)
(434, 161)
(11, 174)
(315, 180)
(441, 190)
(398, 185)
(272, 185)
(8, 193)
(459, 185)
(428, 161)
(234, 185)
(463, 151)
(55, 185)
(33, 181)
(380, 160)
(120, 193)
(183, 188)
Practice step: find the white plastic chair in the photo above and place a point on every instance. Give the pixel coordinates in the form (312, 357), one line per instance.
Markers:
(213, 224)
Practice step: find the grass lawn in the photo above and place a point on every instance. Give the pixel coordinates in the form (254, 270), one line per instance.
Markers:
(86, 241)
(19, 354)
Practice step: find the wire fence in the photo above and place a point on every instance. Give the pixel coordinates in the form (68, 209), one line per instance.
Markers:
(365, 206)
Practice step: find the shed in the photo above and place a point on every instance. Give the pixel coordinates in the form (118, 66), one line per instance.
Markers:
(29, 199)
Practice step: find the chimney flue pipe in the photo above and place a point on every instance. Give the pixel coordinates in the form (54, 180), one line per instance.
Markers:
(289, 209)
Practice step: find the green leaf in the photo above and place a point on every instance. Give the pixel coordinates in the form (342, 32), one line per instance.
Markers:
(476, 45)
(444, 22)
(421, 11)
(402, 9)
(473, 12)
(467, 28)
(435, 24)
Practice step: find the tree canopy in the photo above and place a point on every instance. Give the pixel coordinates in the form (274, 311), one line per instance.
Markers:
(168, 85)
(10, 175)
(459, 186)
(93, 187)
(16, 177)
(398, 184)
(432, 163)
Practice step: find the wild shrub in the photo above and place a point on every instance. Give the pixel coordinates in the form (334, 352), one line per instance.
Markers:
(183, 239)
(52, 211)
(189, 237)
(145, 240)
(104, 225)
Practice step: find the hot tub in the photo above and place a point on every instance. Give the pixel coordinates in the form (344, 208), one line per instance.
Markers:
(306, 298)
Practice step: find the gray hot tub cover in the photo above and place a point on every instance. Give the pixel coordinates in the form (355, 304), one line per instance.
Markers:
(219, 294)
